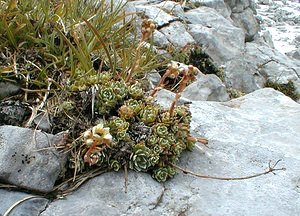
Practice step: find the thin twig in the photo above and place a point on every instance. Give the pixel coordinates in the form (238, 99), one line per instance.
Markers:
(271, 169)
(126, 178)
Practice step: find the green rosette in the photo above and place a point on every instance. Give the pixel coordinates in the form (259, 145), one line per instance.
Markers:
(160, 174)
(182, 111)
(104, 77)
(114, 165)
(135, 105)
(171, 171)
(165, 144)
(161, 130)
(117, 124)
(107, 95)
(152, 140)
(120, 89)
(158, 149)
(149, 114)
(136, 92)
(140, 158)
(123, 135)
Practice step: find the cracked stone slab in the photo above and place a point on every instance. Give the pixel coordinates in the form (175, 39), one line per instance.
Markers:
(30, 206)
(172, 32)
(219, 38)
(105, 195)
(171, 7)
(28, 158)
(158, 15)
(244, 134)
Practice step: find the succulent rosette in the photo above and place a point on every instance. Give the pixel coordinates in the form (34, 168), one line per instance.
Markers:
(122, 135)
(117, 124)
(120, 89)
(161, 130)
(161, 174)
(149, 114)
(140, 158)
(166, 118)
(95, 158)
(158, 149)
(164, 144)
(135, 105)
(152, 140)
(114, 165)
(104, 77)
(126, 112)
(136, 92)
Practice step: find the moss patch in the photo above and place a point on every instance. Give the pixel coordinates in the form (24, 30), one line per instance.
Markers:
(288, 88)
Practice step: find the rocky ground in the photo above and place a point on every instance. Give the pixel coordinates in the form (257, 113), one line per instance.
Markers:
(244, 134)
(281, 19)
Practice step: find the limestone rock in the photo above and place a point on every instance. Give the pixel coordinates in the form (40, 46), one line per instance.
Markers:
(155, 13)
(246, 21)
(218, 5)
(31, 206)
(244, 134)
(237, 6)
(8, 89)
(243, 75)
(177, 34)
(272, 64)
(28, 158)
(105, 195)
(172, 7)
(218, 37)
(165, 98)
(206, 88)
(160, 40)
(258, 64)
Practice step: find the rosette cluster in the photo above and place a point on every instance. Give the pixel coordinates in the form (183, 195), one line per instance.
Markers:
(136, 132)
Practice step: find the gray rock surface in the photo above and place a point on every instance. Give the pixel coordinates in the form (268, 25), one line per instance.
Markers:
(171, 7)
(30, 206)
(8, 89)
(272, 64)
(246, 21)
(237, 6)
(256, 65)
(178, 35)
(155, 13)
(219, 38)
(206, 88)
(243, 75)
(28, 158)
(244, 134)
(218, 5)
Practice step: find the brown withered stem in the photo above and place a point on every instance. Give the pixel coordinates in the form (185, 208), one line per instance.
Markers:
(147, 29)
(188, 76)
(271, 169)
(172, 72)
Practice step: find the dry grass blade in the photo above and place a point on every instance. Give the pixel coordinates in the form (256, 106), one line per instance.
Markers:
(6, 69)
(8, 211)
(68, 186)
